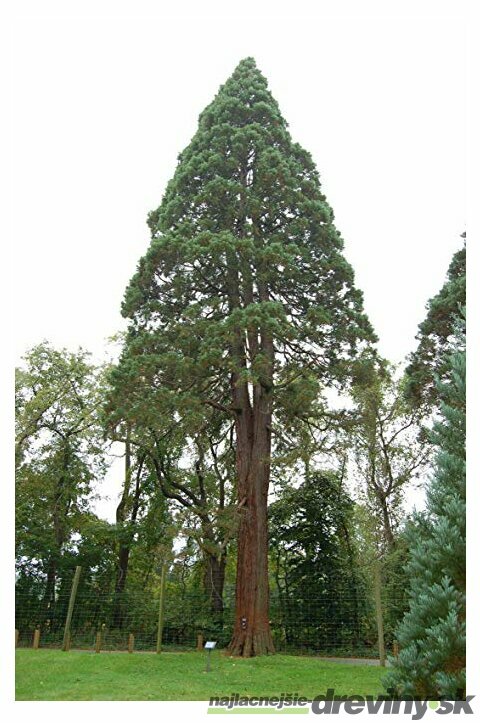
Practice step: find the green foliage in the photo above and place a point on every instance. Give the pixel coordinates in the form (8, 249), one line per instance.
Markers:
(436, 335)
(371, 550)
(60, 454)
(244, 286)
(432, 634)
(390, 449)
(149, 535)
(314, 563)
(309, 533)
(243, 246)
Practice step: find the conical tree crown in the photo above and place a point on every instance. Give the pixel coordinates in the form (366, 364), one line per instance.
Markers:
(235, 132)
(244, 99)
(244, 243)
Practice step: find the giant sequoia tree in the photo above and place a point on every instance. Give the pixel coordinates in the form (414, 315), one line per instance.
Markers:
(242, 306)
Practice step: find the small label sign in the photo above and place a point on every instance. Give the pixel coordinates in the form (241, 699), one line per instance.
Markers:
(210, 644)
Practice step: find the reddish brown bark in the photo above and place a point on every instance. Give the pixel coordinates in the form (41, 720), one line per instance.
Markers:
(253, 418)
(251, 634)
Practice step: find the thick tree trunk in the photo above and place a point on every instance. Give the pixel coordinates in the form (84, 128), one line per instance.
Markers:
(251, 634)
(214, 581)
(253, 420)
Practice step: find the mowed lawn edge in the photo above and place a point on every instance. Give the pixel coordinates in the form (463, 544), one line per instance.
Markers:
(81, 675)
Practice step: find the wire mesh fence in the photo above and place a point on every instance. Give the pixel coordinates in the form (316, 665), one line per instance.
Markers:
(337, 623)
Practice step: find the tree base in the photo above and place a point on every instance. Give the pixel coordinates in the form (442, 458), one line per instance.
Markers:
(248, 645)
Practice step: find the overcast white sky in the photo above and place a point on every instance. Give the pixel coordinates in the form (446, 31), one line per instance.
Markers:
(104, 103)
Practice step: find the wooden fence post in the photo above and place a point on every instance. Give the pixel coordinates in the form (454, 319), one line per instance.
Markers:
(36, 638)
(98, 641)
(379, 612)
(73, 595)
(200, 642)
(131, 642)
(160, 609)
(17, 635)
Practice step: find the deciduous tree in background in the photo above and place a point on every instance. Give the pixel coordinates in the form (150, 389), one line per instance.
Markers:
(140, 500)
(243, 304)
(59, 452)
(390, 447)
(190, 466)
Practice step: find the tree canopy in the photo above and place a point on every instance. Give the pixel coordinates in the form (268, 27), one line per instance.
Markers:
(243, 306)
(60, 454)
(436, 335)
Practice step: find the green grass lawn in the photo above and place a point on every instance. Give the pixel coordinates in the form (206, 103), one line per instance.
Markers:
(54, 675)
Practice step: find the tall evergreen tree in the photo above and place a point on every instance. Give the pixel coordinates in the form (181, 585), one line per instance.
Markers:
(315, 564)
(432, 634)
(436, 335)
(243, 305)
